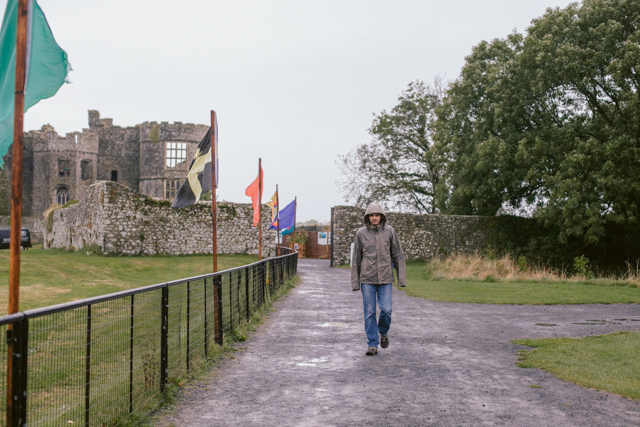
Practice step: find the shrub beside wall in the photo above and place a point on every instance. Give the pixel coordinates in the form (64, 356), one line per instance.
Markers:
(525, 236)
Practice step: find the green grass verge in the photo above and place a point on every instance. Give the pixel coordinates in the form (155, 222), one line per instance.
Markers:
(420, 284)
(56, 276)
(605, 362)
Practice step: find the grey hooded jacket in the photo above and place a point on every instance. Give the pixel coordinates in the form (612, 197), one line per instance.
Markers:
(376, 252)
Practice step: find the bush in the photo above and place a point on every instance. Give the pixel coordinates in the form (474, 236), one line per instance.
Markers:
(581, 266)
(516, 236)
(301, 237)
(522, 264)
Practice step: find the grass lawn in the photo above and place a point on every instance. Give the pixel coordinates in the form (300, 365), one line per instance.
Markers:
(420, 283)
(56, 276)
(606, 362)
(122, 347)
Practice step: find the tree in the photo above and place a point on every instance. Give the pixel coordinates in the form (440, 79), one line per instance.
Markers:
(397, 168)
(552, 119)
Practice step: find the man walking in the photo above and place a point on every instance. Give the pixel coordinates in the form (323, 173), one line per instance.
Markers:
(376, 252)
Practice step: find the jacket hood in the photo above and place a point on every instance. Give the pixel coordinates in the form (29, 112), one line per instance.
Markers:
(371, 209)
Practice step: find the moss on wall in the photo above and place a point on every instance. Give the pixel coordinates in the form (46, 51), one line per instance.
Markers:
(228, 210)
(148, 201)
(154, 133)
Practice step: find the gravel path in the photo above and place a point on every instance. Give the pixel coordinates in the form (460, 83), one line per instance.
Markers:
(448, 365)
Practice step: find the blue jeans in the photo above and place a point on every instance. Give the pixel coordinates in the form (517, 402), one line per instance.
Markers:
(381, 293)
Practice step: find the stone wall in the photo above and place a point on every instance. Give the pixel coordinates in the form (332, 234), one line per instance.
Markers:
(423, 237)
(33, 223)
(120, 221)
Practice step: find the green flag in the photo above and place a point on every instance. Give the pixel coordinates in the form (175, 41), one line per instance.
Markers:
(46, 68)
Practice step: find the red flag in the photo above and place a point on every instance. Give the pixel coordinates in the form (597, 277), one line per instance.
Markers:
(255, 192)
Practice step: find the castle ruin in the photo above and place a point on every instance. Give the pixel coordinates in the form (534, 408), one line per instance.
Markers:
(151, 159)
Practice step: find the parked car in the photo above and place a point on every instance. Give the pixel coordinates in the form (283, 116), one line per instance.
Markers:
(5, 238)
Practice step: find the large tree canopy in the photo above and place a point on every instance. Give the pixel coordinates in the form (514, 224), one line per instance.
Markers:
(397, 168)
(550, 119)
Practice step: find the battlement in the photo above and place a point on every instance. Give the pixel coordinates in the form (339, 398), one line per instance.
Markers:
(178, 131)
(47, 139)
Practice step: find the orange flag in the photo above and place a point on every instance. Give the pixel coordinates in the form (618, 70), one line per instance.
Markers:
(255, 192)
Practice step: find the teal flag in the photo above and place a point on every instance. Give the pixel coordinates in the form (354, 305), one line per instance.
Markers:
(46, 68)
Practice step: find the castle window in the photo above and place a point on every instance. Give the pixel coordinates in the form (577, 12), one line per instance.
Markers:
(63, 168)
(86, 169)
(114, 176)
(171, 187)
(176, 155)
(62, 196)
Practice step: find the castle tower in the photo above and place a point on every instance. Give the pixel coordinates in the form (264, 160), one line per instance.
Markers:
(63, 167)
(166, 151)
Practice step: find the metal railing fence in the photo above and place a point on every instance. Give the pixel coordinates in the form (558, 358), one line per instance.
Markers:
(97, 361)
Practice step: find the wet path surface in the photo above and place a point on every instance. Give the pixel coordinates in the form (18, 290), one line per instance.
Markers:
(448, 364)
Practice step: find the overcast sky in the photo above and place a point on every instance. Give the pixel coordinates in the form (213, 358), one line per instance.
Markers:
(294, 82)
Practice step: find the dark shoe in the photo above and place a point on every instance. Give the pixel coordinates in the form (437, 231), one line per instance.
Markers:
(384, 341)
(372, 351)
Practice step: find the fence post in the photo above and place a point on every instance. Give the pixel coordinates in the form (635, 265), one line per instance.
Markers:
(275, 274)
(87, 372)
(217, 300)
(274, 264)
(19, 349)
(206, 322)
(267, 273)
(164, 339)
(263, 282)
(131, 359)
(230, 301)
(272, 273)
(259, 285)
(254, 277)
(238, 293)
(246, 291)
(253, 284)
(281, 273)
(188, 326)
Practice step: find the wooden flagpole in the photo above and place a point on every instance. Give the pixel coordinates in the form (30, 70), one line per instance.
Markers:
(260, 208)
(16, 184)
(295, 213)
(214, 135)
(278, 218)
